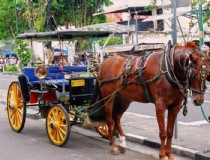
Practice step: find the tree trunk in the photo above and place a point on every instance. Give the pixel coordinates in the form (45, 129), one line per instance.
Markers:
(48, 16)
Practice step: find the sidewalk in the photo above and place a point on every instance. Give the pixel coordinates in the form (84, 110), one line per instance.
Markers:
(192, 142)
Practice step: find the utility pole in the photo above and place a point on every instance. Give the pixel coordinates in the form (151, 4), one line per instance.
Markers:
(136, 26)
(174, 41)
(174, 29)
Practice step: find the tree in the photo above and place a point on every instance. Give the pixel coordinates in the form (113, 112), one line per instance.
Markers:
(35, 14)
(23, 52)
(7, 19)
(78, 13)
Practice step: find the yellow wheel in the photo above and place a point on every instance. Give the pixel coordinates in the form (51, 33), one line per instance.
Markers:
(16, 107)
(58, 125)
(103, 131)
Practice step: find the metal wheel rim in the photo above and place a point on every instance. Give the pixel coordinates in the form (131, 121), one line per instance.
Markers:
(103, 130)
(15, 107)
(57, 126)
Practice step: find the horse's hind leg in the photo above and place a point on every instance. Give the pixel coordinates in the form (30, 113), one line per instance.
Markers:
(160, 113)
(110, 123)
(172, 115)
(120, 106)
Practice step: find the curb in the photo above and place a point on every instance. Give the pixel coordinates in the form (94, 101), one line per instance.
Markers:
(186, 152)
(205, 155)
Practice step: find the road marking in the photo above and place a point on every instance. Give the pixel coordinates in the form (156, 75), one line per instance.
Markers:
(140, 115)
(195, 123)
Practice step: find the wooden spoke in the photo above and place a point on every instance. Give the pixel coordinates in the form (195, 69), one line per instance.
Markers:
(103, 131)
(16, 107)
(57, 120)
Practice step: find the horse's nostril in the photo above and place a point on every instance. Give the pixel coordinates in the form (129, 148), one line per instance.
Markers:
(198, 102)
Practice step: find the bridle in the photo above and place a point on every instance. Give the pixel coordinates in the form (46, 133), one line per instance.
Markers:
(202, 71)
(184, 85)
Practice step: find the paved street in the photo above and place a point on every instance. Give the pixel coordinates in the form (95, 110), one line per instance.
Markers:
(33, 144)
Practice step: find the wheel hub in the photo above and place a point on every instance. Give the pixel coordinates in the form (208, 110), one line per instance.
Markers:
(53, 125)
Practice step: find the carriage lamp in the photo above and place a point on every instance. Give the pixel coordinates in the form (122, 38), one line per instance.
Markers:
(41, 73)
(191, 24)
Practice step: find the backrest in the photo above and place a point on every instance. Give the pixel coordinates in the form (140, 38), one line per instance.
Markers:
(54, 70)
(55, 73)
(29, 73)
(75, 68)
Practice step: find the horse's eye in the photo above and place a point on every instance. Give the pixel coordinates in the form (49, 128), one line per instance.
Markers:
(194, 64)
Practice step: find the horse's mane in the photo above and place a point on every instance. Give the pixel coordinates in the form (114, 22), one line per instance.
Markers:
(189, 44)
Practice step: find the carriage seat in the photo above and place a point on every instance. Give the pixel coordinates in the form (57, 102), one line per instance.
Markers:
(53, 77)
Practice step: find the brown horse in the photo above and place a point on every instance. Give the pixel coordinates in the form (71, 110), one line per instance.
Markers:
(162, 77)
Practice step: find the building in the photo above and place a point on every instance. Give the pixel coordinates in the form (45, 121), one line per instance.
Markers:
(149, 26)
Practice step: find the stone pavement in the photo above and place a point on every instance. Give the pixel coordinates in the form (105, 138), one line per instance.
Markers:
(192, 142)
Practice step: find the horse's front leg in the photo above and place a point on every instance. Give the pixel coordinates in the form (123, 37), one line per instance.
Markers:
(160, 113)
(172, 115)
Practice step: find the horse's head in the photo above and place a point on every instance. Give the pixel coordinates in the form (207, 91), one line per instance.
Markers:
(197, 70)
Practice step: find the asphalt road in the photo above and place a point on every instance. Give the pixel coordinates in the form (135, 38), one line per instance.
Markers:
(33, 144)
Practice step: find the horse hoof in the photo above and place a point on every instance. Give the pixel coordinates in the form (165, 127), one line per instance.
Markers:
(162, 158)
(122, 149)
(115, 151)
(171, 158)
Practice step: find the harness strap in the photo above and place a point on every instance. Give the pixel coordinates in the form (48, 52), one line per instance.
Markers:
(109, 80)
(141, 71)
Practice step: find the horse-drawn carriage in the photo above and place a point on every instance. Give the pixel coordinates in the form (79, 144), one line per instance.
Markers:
(45, 86)
(163, 77)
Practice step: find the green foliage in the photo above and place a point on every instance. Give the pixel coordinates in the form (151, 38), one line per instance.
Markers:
(11, 68)
(32, 14)
(151, 7)
(85, 44)
(112, 41)
(79, 13)
(7, 19)
(194, 3)
(23, 52)
(206, 10)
